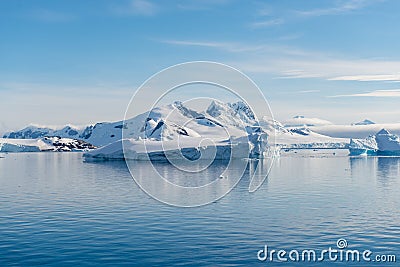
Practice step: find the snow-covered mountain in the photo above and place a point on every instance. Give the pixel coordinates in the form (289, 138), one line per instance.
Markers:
(226, 124)
(364, 122)
(175, 128)
(33, 132)
(219, 121)
(98, 134)
(166, 122)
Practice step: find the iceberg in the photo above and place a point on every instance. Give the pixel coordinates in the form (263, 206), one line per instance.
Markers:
(365, 147)
(255, 145)
(388, 144)
(9, 147)
(382, 143)
(191, 149)
(56, 144)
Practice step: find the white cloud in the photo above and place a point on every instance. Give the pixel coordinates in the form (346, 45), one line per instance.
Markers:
(377, 93)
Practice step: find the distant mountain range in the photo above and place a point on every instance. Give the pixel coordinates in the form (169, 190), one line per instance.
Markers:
(158, 124)
(178, 120)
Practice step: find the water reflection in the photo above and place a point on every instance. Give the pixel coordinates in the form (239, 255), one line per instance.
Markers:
(388, 170)
(385, 170)
(253, 174)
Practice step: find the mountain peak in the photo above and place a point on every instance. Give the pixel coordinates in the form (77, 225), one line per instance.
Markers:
(383, 132)
(364, 122)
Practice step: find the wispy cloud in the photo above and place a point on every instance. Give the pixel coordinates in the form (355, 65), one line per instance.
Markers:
(227, 46)
(326, 67)
(286, 62)
(376, 93)
(368, 78)
(48, 15)
(309, 91)
(267, 23)
(136, 7)
(201, 4)
(343, 7)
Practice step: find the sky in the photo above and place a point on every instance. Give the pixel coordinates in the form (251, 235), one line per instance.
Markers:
(79, 62)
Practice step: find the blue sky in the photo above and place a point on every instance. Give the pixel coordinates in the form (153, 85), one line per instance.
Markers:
(79, 62)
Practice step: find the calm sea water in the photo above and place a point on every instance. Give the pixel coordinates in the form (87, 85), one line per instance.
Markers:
(56, 209)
